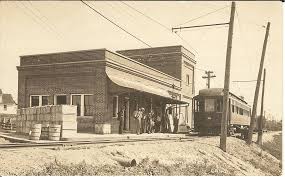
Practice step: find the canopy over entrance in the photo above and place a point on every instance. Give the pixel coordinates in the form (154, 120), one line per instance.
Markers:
(128, 80)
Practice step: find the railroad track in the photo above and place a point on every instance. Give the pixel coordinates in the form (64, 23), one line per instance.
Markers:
(75, 143)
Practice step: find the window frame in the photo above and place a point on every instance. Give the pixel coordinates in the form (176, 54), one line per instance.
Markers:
(82, 99)
(5, 107)
(40, 100)
(55, 96)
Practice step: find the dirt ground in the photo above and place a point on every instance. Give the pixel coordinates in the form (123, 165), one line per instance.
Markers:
(201, 156)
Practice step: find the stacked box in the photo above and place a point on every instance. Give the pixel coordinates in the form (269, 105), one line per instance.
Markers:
(67, 115)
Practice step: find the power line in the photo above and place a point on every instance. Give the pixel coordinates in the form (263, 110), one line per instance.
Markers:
(162, 25)
(204, 15)
(114, 23)
(146, 15)
(32, 17)
(43, 17)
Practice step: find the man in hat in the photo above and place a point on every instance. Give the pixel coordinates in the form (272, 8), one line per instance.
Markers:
(138, 117)
(121, 117)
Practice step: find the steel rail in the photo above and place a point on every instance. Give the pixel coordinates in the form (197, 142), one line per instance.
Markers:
(76, 143)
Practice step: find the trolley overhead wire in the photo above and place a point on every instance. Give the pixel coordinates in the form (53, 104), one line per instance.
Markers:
(162, 25)
(201, 16)
(99, 13)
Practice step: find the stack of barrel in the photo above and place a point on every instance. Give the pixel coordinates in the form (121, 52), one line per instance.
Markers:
(47, 122)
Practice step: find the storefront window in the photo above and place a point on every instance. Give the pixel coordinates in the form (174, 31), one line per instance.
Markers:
(60, 99)
(35, 101)
(88, 105)
(76, 100)
(44, 100)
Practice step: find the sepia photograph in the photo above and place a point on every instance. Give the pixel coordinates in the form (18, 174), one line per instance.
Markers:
(141, 88)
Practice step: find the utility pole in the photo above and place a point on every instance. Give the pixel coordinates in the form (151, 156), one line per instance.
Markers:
(224, 122)
(253, 115)
(260, 123)
(208, 77)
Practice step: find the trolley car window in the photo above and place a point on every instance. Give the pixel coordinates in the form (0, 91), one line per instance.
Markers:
(233, 108)
(237, 108)
(209, 105)
(219, 105)
(240, 111)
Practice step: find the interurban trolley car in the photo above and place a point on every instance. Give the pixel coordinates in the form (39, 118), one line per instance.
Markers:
(208, 108)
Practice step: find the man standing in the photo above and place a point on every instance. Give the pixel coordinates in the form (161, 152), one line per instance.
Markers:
(143, 121)
(138, 117)
(121, 117)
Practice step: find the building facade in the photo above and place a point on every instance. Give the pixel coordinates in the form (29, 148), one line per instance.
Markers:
(101, 82)
(7, 104)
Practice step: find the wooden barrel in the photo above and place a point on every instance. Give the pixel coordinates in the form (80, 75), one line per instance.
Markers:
(35, 132)
(54, 132)
(45, 131)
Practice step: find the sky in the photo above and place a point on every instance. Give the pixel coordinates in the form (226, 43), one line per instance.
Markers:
(34, 27)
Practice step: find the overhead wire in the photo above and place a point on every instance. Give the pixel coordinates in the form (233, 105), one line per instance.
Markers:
(43, 17)
(201, 16)
(162, 25)
(40, 19)
(99, 13)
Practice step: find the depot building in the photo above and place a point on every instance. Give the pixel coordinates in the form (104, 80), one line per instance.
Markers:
(100, 82)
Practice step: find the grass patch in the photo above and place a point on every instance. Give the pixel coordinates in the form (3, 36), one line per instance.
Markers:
(144, 168)
(274, 147)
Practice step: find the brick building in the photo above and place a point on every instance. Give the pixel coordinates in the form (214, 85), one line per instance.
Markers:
(99, 82)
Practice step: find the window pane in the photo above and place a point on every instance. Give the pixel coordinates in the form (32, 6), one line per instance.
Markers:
(35, 101)
(209, 105)
(76, 100)
(61, 99)
(88, 105)
(219, 104)
(44, 100)
(5, 107)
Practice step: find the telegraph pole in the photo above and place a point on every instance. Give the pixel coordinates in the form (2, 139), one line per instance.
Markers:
(260, 123)
(253, 115)
(224, 122)
(208, 77)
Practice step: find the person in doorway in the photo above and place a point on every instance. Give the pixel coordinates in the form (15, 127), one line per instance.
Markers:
(170, 121)
(121, 116)
(143, 121)
(157, 123)
(176, 122)
(138, 117)
(150, 122)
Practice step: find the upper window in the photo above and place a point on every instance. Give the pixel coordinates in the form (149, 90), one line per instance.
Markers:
(209, 105)
(5, 107)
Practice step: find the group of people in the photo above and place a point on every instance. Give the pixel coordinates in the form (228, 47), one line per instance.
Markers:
(151, 122)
